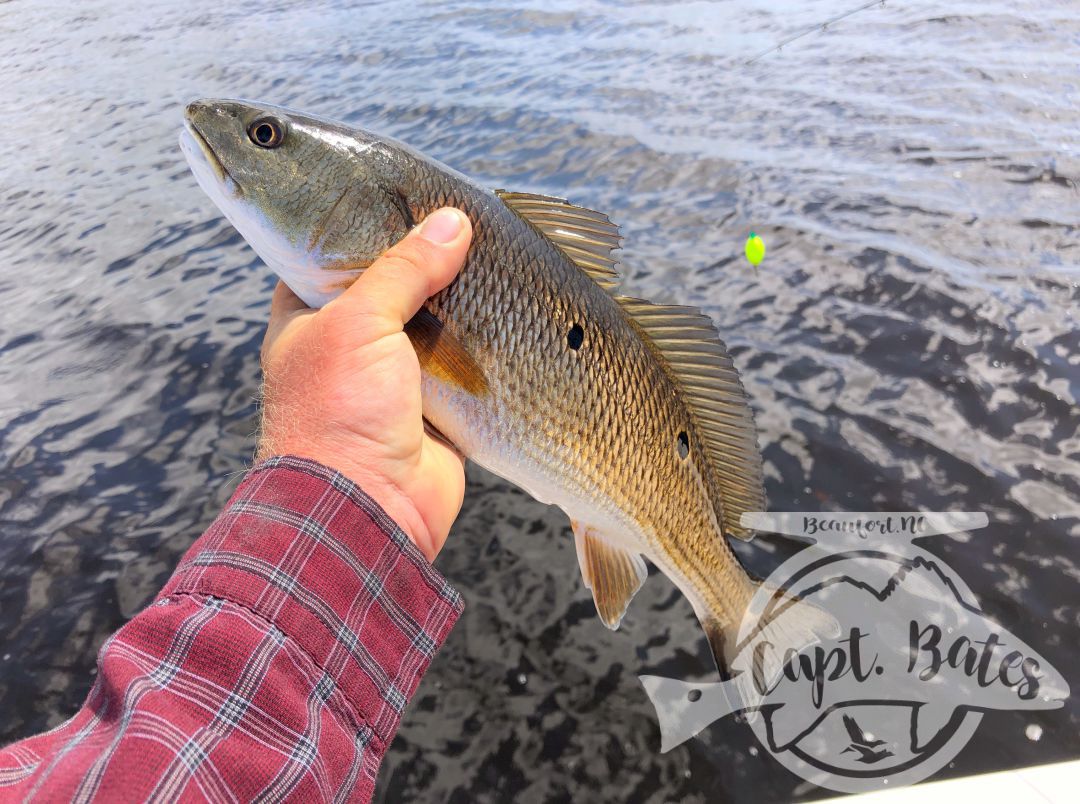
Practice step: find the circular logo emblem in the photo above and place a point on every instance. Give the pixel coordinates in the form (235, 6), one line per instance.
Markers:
(863, 661)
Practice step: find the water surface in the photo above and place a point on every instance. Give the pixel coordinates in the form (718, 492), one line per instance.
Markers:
(910, 343)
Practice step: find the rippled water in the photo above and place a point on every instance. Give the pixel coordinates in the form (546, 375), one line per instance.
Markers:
(911, 341)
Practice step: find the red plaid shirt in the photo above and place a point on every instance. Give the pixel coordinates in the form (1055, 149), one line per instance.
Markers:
(275, 663)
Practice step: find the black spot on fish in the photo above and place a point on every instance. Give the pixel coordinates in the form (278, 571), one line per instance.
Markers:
(575, 337)
(684, 444)
(693, 696)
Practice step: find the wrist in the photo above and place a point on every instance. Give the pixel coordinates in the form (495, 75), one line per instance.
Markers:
(383, 491)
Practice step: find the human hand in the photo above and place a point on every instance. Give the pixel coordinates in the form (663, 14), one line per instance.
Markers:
(341, 385)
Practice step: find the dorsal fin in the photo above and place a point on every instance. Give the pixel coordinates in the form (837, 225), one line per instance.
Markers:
(586, 236)
(690, 345)
(685, 339)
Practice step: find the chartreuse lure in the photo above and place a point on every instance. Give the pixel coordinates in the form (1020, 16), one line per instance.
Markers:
(755, 250)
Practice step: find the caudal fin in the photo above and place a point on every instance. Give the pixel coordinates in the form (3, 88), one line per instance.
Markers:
(783, 620)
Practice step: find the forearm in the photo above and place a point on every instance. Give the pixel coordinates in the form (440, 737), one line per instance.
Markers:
(277, 660)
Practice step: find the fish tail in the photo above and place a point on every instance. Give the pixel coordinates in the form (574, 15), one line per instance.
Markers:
(721, 636)
(789, 622)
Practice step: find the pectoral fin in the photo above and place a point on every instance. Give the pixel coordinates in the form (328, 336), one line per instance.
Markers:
(442, 355)
(612, 573)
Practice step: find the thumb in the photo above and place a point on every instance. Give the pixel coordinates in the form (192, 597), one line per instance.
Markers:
(396, 285)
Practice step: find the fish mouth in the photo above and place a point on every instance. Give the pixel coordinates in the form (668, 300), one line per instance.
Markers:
(191, 134)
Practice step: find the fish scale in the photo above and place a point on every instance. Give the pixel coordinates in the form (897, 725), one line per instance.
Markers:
(595, 429)
(615, 388)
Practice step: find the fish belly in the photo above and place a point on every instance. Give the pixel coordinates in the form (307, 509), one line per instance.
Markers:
(486, 433)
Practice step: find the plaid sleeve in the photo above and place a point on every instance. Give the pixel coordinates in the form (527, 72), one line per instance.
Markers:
(275, 663)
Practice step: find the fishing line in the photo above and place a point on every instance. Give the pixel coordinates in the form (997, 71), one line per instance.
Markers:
(755, 246)
(823, 26)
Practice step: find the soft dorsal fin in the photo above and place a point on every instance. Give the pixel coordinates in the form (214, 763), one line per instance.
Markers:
(690, 345)
(585, 236)
(614, 574)
(685, 339)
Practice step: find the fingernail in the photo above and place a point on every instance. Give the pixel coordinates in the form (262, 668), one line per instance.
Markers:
(441, 226)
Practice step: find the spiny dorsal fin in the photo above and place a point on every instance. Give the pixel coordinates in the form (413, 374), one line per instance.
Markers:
(612, 573)
(585, 236)
(691, 346)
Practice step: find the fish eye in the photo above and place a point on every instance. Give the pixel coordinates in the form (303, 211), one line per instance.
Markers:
(684, 444)
(575, 337)
(266, 132)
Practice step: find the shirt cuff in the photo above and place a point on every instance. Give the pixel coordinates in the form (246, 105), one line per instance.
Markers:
(305, 548)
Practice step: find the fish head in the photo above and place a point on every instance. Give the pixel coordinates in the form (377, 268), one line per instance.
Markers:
(317, 201)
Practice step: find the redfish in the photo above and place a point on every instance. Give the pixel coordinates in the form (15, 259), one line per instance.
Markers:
(628, 415)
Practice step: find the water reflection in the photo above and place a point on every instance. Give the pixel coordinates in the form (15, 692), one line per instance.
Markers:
(911, 341)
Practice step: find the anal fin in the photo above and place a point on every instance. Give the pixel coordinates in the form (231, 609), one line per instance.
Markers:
(614, 574)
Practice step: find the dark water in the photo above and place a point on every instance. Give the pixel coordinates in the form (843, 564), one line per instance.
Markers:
(911, 342)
